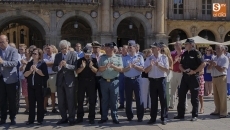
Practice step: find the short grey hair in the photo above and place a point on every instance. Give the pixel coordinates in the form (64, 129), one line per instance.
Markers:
(222, 47)
(63, 43)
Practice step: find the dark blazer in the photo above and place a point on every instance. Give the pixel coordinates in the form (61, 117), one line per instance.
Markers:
(9, 68)
(66, 73)
(38, 80)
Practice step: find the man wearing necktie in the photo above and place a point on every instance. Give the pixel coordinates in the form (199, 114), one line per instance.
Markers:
(8, 80)
(65, 64)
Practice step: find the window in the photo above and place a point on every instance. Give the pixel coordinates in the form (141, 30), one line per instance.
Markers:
(14, 37)
(178, 7)
(206, 6)
(22, 36)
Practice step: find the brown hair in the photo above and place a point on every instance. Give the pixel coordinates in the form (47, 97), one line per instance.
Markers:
(22, 45)
(40, 53)
(209, 48)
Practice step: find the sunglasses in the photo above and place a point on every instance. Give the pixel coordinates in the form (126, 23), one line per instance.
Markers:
(34, 53)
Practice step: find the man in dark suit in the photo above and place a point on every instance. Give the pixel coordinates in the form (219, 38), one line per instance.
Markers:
(8, 80)
(65, 64)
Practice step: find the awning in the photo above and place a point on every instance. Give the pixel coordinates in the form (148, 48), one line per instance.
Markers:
(198, 40)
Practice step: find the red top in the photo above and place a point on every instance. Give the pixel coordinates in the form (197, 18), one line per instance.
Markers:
(176, 65)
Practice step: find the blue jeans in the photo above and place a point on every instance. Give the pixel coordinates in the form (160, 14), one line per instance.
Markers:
(228, 89)
(109, 92)
(121, 89)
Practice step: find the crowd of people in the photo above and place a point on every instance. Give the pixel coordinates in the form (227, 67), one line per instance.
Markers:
(111, 74)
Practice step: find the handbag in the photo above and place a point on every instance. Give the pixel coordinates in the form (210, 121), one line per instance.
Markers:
(46, 92)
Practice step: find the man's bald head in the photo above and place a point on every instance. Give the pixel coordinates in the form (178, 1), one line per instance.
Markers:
(3, 42)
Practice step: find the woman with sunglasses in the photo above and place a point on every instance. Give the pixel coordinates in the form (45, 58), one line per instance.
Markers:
(36, 73)
(207, 76)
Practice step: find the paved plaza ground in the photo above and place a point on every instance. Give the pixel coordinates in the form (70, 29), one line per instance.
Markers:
(205, 122)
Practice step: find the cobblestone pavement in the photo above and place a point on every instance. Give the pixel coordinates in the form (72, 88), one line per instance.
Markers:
(205, 121)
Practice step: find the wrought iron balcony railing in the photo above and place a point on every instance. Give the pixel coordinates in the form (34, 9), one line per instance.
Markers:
(194, 14)
(51, 1)
(133, 3)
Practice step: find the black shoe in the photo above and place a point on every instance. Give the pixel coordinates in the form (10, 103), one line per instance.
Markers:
(26, 112)
(13, 122)
(178, 117)
(129, 119)
(2, 122)
(151, 122)
(163, 122)
(71, 123)
(29, 123)
(223, 116)
(139, 120)
(79, 120)
(194, 119)
(39, 123)
(62, 122)
(91, 122)
(121, 107)
(101, 121)
(214, 114)
(56, 104)
(116, 122)
(55, 110)
(45, 112)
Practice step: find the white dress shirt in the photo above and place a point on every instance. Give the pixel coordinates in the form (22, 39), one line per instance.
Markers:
(156, 72)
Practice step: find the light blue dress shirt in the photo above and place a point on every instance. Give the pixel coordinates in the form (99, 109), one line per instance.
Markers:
(138, 60)
(79, 54)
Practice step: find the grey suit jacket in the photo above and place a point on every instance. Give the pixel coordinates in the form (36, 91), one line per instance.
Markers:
(65, 74)
(9, 67)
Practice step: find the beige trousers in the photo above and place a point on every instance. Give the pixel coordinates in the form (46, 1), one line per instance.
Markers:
(220, 95)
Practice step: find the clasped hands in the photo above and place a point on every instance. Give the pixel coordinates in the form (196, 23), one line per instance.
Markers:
(62, 63)
(33, 68)
(83, 64)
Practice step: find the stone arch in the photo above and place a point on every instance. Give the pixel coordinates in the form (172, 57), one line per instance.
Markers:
(13, 15)
(140, 17)
(92, 23)
(214, 33)
(184, 30)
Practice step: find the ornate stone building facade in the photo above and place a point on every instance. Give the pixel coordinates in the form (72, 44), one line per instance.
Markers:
(87, 20)
(146, 21)
(187, 18)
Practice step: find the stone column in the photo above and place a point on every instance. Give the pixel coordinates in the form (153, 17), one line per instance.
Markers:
(53, 34)
(160, 21)
(106, 35)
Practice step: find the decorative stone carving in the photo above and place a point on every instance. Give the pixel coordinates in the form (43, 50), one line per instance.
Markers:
(221, 31)
(193, 30)
(116, 14)
(93, 14)
(59, 13)
(148, 15)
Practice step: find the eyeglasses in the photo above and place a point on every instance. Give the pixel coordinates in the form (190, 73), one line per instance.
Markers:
(63, 48)
(95, 47)
(34, 53)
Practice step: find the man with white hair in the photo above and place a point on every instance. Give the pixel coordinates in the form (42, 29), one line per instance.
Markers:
(65, 64)
(218, 68)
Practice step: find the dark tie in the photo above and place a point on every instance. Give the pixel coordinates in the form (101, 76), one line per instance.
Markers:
(63, 57)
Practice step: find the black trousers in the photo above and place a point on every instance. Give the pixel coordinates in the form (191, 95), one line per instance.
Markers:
(8, 93)
(35, 95)
(188, 82)
(86, 86)
(18, 94)
(98, 89)
(158, 88)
